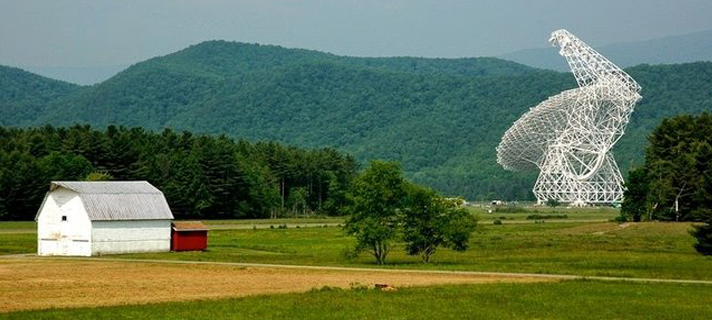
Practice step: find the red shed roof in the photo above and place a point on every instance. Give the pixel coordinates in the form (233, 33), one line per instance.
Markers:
(189, 226)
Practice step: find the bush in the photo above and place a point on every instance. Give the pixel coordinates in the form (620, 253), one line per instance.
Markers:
(546, 216)
(497, 222)
(552, 203)
(513, 209)
(703, 234)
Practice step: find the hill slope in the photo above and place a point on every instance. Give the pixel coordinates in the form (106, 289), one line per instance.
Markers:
(24, 95)
(441, 118)
(691, 47)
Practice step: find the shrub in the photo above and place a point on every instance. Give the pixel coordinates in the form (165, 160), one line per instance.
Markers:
(703, 234)
(552, 203)
(546, 216)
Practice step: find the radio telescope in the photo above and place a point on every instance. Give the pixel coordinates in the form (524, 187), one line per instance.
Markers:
(569, 136)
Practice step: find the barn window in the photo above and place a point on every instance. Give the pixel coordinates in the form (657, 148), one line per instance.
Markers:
(64, 218)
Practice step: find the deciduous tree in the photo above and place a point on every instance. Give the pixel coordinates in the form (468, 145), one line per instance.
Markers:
(431, 221)
(376, 197)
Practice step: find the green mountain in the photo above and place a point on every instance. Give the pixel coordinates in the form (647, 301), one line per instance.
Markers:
(442, 118)
(24, 95)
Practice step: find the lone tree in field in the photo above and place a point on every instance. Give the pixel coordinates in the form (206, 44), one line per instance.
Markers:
(431, 221)
(376, 197)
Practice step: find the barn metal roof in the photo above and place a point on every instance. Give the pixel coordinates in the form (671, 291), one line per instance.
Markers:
(119, 200)
(103, 187)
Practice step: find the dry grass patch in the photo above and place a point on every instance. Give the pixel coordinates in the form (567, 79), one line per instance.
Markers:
(27, 284)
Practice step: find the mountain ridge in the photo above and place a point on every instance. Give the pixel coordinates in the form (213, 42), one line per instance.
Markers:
(686, 48)
(440, 118)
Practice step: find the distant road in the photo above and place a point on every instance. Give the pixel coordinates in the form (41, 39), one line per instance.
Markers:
(269, 226)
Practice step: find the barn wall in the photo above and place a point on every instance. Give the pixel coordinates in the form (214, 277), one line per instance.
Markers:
(109, 237)
(56, 237)
(189, 240)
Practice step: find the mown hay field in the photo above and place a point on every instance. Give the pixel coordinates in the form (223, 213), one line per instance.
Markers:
(41, 283)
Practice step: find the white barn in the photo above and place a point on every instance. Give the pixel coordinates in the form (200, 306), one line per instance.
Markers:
(93, 218)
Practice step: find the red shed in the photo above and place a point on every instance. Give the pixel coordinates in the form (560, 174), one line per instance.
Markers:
(188, 236)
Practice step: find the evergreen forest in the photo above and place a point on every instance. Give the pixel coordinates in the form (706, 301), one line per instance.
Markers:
(675, 182)
(202, 176)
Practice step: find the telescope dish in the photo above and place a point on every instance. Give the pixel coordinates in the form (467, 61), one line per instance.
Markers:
(569, 136)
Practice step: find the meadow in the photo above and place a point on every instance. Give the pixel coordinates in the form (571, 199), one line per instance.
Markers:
(576, 247)
(650, 250)
(584, 243)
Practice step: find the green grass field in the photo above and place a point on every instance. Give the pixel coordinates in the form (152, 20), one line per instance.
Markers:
(655, 250)
(17, 225)
(565, 300)
(12, 243)
(650, 250)
(581, 246)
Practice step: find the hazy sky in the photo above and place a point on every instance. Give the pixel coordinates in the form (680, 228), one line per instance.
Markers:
(113, 32)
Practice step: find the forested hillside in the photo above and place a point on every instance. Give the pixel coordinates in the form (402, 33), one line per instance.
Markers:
(442, 118)
(202, 176)
(24, 95)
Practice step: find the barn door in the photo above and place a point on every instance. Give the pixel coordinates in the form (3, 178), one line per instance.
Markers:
(65, 240)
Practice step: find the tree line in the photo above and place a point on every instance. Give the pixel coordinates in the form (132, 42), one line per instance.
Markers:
(201, 176)
(675, 183)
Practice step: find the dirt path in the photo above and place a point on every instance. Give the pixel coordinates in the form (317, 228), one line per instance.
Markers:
(409, 271)
(38, 283)
(617, 228)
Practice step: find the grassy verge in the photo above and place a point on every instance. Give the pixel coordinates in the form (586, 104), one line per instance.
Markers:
(11, 243)
(18, 225)
(566, 300)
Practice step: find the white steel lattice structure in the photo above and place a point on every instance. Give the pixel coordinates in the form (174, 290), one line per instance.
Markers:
(569, 137)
